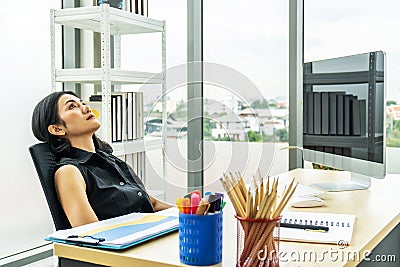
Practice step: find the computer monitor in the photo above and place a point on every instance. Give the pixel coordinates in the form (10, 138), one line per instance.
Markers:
(344, 121)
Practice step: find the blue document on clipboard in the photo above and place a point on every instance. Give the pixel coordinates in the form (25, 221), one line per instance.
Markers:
(118, 233)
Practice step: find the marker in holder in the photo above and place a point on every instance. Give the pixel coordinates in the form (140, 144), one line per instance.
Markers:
(200, 239)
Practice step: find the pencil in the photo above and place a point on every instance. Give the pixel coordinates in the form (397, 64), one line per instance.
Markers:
(261, 185)
(231, 194)
(241, 183)
(233, 185)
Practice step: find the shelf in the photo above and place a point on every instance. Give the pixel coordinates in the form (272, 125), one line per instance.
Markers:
(94, 75)
(355, 77)
(338, 141)
(109, 22)
(136, 146)
(121, 22)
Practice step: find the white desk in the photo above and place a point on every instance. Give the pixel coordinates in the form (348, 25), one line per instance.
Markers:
(377, 213)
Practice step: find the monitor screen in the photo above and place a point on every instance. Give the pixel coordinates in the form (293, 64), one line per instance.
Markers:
(344, 113)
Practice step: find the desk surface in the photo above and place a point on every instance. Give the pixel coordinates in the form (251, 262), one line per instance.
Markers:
(376, 209)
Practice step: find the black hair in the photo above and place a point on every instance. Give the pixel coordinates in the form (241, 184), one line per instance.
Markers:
(46, 114)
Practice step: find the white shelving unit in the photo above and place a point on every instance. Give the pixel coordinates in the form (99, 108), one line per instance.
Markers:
(111, 21)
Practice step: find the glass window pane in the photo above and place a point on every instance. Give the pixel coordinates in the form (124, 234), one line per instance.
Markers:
(246, 88)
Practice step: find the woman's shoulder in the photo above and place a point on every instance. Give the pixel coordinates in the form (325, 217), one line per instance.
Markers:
(67, 164)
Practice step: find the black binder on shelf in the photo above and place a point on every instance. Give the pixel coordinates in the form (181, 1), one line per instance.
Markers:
(317, 113)
(305, 113)
(332, 113)
(138, 7)
(340, 114)
(130, 115)
(347, 114)
(310, 113)
(363, 117)
(114, 118)
(333, 109)
(324, 113)
(119, 118)
(117, 112)
(355, 121)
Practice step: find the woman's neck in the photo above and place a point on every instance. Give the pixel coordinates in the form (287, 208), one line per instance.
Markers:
(83, 143)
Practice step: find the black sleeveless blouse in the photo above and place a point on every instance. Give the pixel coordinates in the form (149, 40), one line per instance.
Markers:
(112, 187)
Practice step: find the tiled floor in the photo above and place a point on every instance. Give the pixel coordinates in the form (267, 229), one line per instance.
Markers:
(48, 262)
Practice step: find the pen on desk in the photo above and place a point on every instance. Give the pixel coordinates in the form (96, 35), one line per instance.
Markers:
(306, 227)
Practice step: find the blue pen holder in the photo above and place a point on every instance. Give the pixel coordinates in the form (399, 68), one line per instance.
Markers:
(200, 239)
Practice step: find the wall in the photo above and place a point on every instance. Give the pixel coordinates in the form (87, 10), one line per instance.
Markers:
(25, 79)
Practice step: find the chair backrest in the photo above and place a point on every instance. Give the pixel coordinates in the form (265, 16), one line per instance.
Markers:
(45, 163)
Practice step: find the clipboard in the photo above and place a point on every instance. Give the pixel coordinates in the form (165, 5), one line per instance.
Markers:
(118, 233)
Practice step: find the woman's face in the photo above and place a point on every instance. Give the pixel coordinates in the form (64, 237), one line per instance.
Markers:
(77, 117)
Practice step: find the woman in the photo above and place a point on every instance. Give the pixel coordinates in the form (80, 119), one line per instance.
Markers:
(91, 183)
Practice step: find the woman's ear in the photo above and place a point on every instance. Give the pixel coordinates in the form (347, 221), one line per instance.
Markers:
(56, 130)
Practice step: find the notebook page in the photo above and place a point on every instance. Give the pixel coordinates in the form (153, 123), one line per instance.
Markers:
(340, 227)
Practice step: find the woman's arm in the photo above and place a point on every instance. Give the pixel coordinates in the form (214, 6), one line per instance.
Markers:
(159, 205)
(71, 190)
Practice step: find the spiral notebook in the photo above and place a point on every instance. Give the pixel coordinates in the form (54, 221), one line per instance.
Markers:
(340, 227)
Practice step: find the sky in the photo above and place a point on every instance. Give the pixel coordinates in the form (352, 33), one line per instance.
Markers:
(252, 36)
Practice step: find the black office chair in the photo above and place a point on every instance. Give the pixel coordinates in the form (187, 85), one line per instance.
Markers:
(45, 162)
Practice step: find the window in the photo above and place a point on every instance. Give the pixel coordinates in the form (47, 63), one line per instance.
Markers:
(245, 80)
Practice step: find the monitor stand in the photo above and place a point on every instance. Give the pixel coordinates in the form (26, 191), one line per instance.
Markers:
(356, 182)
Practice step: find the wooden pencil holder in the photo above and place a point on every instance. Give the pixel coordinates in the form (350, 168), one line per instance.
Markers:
(257, 242)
